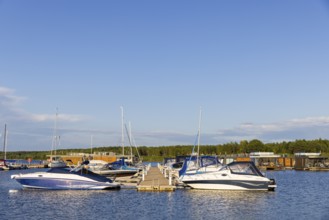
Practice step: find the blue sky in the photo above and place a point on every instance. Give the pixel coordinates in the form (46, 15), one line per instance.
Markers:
(258, 69)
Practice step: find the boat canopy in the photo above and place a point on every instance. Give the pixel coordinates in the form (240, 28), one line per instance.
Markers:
(118, 164)
(204, 161)
(243, 168)
(121, 165)
(169, 160)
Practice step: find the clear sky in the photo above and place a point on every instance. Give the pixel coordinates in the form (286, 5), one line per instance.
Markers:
(258, 69)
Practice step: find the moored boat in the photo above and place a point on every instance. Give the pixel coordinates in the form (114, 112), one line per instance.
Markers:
(234, 176)
(3, 165)
(56, 162)
(117, 168)
(78, 178)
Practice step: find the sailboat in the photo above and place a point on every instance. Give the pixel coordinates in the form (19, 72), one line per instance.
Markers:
(120, 167)
(55, 160)
(121, 164)
(3, 165)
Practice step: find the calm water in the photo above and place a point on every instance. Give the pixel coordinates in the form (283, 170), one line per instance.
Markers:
(300, 195)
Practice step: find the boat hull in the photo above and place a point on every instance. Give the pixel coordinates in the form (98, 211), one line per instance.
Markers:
(115, 172)
(228, 185)
(234, 176)
(63, 184)
(63, 179)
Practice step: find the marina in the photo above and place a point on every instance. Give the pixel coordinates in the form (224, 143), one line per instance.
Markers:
(164, 110)
(234, 176)
(299, 195)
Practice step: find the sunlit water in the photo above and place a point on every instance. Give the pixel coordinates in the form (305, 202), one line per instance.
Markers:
(300, 195)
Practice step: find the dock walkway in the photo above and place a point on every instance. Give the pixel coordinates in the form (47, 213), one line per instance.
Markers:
(155, 181)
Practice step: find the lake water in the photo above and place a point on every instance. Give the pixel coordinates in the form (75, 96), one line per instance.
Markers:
(300, 195)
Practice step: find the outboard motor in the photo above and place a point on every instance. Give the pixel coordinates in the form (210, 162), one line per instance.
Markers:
(272, 185)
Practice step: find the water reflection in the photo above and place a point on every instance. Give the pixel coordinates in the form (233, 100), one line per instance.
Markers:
(225, 203)
(301, 195)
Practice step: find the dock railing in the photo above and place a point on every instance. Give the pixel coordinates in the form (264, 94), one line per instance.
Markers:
(153, 179)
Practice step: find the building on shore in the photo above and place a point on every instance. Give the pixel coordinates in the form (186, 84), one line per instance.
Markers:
(78, 158)
(311, 161)
(266, 160)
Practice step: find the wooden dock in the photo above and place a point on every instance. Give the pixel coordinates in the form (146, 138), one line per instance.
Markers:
(154, 180)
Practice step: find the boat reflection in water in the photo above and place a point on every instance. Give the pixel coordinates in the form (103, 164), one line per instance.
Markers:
(78, 178)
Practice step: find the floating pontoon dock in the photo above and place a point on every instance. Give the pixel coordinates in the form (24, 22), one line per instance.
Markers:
(154, 180)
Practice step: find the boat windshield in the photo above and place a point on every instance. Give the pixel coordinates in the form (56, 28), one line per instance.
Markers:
(81, 172)
(169, 161)
(244, 168)
(192, 165)
(177, 165)
(209, 160)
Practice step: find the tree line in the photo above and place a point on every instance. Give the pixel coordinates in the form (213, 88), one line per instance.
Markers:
(160, 152)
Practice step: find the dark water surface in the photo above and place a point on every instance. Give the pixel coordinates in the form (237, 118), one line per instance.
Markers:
(300, 195)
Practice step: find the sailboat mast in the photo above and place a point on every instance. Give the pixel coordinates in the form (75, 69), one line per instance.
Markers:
(55, 132)
(5, 143)
(132, 142)
(131, 148)
(122, 133)
(91, 144)
(54, 139)
(199, 135)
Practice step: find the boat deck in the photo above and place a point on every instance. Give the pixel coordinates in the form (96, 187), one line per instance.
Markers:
(155, 181)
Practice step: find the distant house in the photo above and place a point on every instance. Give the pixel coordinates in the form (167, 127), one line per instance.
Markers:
(311, 161)
(266, 160)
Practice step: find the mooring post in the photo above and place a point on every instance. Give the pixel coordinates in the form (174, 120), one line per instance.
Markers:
(170, 178)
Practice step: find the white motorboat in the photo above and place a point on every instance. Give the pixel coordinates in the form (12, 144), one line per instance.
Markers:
(96, 164)
(234, 176)
(63, 178)
(117, 168)
(56, 162)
